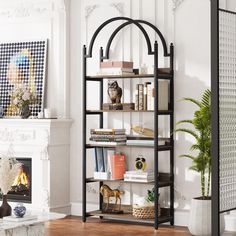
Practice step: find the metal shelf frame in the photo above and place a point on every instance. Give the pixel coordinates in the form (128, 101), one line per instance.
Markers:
(156, 76)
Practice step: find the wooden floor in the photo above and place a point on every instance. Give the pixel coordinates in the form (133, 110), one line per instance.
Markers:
(73, 226)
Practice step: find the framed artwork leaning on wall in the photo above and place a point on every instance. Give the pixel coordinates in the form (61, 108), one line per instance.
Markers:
(22, 64)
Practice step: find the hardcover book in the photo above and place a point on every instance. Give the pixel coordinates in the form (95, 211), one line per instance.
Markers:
(140, 97)
(108, 143)
(116, 71)
(139, 176)
(136, 94)
(149, 97)
(145, 95)
(107, 131)
(118, 166)
(116, 64)
(104, 139)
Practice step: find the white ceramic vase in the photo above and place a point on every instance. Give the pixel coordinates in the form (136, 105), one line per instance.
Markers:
(200, 218)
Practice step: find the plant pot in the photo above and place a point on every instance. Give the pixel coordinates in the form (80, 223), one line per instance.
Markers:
(5, 208)
(200, 218)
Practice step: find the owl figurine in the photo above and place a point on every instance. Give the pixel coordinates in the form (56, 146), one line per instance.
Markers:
(114, 92)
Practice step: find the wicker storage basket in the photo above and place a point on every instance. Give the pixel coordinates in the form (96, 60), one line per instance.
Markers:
(145, 212)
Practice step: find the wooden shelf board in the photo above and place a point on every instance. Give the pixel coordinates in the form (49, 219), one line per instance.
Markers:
(160, 148)
(161, 183)
(160, 112)
(100, 77)
(128, 217)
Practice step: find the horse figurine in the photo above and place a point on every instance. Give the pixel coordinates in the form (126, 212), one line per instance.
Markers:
(107, 192)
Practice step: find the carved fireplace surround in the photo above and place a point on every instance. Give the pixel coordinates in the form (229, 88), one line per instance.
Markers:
(47, 142)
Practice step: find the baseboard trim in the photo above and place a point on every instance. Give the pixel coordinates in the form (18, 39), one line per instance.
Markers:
(181, 216)
(65, 209)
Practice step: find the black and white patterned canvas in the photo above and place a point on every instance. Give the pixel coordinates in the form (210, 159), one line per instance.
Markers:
(22, 63)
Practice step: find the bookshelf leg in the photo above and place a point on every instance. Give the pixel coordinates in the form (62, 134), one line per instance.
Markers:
(100, 197)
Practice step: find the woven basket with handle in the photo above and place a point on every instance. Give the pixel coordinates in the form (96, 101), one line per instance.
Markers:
(145, 212)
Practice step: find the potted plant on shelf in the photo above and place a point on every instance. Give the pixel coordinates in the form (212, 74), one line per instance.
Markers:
(200, 211)
(145, 206)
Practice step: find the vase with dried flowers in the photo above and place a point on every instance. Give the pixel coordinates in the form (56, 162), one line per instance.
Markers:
(21, 99)
(9, 170)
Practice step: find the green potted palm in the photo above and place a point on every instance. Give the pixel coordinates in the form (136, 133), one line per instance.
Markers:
(200, 130)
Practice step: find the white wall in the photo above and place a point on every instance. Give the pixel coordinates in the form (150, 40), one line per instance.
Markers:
(191, 37)
(192, 44)
(36, 20)
(188, 27)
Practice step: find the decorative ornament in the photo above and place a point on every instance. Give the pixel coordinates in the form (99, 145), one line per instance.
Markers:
(5, 208)
(9, 170)
(143, 131)
(107, 193)
(176, 4)
(19, 210)
(140, 163)
(115, 94)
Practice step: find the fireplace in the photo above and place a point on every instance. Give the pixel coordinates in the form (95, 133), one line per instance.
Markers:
(42, 145)
(21, 189)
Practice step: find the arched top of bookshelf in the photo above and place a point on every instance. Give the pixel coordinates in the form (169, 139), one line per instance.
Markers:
(128, 22)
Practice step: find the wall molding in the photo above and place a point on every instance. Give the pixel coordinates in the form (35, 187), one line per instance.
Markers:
(176, 4)
(89, 10)
(20, 135)
(25, 8)
(119, 6)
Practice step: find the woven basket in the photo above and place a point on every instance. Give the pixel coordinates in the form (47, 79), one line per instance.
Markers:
(145, 212)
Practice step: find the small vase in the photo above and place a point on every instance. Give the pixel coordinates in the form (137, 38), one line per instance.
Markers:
(5, 208)
(25, 112)
(19, 210)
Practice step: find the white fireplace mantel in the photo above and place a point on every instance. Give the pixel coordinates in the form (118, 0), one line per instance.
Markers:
(47, 142)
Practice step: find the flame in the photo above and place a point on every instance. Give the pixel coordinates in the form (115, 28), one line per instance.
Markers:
(22, 178)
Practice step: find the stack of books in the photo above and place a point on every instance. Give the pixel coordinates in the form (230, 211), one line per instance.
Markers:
(139, 176)
(112, 137)
(144, 96)
(116, 68)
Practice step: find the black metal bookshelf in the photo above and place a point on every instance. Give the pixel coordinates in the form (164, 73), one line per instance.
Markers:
(159, 74)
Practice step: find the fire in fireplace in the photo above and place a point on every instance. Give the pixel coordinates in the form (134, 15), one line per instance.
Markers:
(21, 189)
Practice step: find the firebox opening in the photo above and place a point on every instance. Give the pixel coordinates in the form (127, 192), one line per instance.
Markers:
(21, 188)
